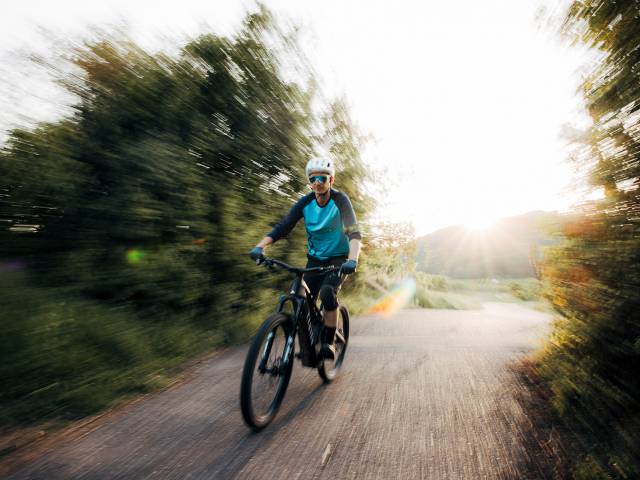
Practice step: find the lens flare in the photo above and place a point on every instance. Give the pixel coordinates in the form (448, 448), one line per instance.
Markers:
(135, 256)
(396, 299)
(12, 266)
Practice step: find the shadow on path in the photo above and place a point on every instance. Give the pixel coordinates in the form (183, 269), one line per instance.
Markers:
(231, 461)
(543, 453)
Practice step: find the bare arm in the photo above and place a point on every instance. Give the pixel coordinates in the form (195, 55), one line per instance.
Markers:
(354, 249)
(350, 224)
(265, 241)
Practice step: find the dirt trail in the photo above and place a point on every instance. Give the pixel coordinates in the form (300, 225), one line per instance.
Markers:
(423, 394)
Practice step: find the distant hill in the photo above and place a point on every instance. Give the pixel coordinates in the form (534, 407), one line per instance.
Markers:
(504, 250)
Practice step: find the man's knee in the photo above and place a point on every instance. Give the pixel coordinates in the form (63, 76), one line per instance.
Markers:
(328, 297)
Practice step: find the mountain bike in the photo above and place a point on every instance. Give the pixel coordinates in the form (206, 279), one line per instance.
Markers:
(269, 362)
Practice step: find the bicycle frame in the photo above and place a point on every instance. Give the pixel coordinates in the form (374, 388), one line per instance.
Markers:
(307, 322)
(307, 319)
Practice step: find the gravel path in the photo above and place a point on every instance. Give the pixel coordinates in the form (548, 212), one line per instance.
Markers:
(425, 394)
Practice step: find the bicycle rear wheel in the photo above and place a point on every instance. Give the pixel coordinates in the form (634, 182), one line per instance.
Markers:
(328, 369)
(266, 372)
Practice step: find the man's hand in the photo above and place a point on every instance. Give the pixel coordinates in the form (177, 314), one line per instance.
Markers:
(349, 266)
(257, 254)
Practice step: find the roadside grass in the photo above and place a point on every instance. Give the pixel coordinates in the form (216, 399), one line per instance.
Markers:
(63, 357)
(440, 292)
(437, 291)
(425, 298)
(592, 396)
(580, 446)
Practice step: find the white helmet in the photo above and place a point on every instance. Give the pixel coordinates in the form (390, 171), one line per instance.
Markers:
(320, 165)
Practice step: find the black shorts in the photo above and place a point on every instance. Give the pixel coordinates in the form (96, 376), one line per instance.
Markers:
(325, 284)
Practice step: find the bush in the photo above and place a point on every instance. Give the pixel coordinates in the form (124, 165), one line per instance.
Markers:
(131, 241)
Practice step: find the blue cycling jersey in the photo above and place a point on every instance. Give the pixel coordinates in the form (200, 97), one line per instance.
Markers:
(329, 227)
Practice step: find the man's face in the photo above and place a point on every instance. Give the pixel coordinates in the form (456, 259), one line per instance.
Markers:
(320, 182)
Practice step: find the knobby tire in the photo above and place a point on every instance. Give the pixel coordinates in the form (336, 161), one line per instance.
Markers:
(277, 323)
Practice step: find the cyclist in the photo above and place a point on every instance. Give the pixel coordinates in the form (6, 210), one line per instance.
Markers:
(333, 238)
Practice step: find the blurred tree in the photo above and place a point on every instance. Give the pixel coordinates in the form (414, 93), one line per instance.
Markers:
(151, 194)
(344, 143)
(391, 250)
(593, 360)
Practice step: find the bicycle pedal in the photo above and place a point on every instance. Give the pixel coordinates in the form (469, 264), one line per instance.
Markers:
(328, 352)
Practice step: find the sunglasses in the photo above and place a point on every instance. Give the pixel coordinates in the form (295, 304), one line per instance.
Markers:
(319, 178)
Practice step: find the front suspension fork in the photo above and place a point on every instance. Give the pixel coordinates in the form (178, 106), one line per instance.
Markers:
(286, 357)
(262, 368)
(288, 349)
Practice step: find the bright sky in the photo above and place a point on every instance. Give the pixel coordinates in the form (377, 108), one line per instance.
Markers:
(465, 99)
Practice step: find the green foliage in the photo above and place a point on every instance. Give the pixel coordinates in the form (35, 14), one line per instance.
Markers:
(438, 291)
(525, 292)
(129, 223)
(592, 361)
(426, 298)
(389, 251)
(433, 282)
(67, 357)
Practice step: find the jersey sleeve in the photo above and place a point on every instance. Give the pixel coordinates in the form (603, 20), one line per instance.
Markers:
(286, 224)
(348, 216)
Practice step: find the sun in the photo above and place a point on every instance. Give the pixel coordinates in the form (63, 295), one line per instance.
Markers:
(480, 223)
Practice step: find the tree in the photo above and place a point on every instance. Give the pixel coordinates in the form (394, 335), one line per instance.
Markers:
(593, 359)
(146, 201)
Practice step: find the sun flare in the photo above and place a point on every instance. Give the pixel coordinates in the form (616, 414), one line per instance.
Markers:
(480, 223)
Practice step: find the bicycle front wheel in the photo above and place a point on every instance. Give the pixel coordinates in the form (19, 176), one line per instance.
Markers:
(266, 372)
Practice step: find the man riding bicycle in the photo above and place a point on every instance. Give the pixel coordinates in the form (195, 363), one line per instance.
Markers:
(332, 239)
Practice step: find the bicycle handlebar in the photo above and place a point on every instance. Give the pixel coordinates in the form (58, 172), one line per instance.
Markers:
(269, 262)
